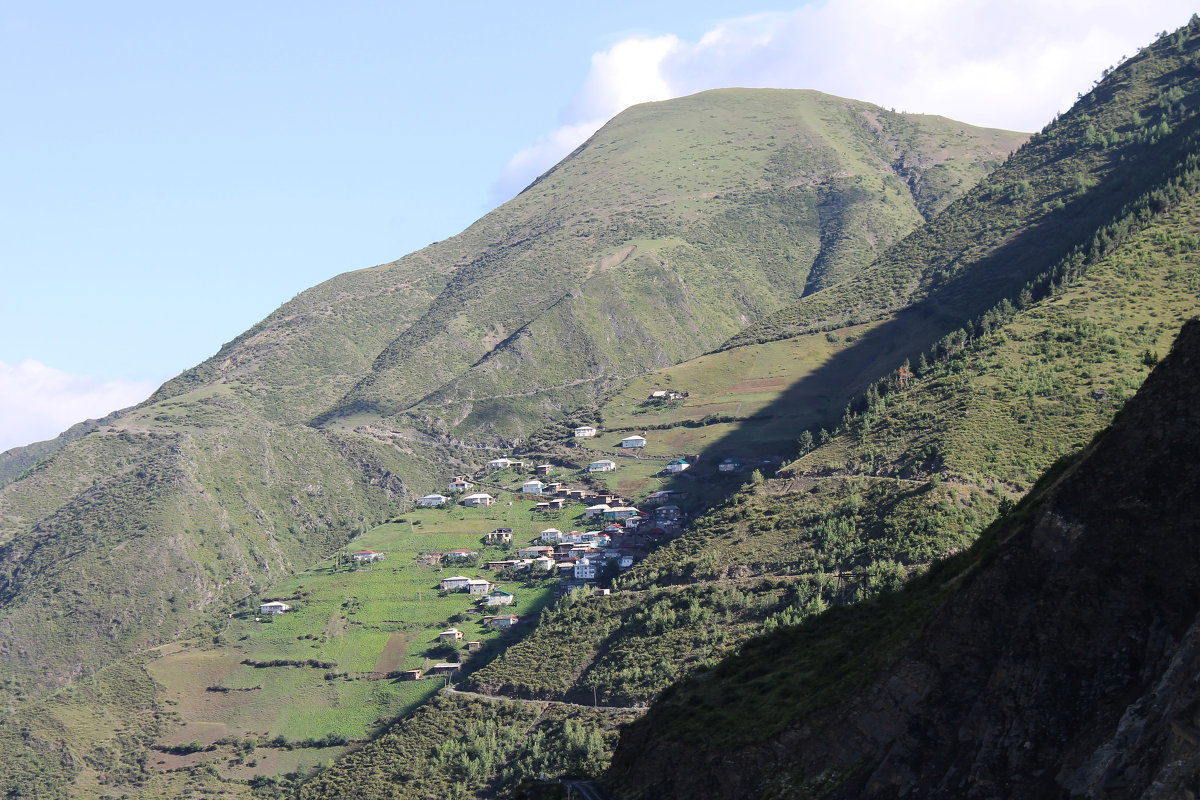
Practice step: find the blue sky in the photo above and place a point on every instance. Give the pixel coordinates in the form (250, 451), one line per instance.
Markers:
(174, 172)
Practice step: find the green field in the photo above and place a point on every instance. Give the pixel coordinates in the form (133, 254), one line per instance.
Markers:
(348, 627)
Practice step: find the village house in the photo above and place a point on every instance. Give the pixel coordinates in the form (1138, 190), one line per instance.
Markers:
(545, 563)
(534, 551)
(543, 469)
(501, 621)
(551, 535)
(585, 432)
(479, 500)
(459, 484)
(496, 566)
(633, 441)
(459, 553)
(499, 536)
(454, 584)
(557, 504)
(499, 463)
(450, 635)
(620, 512)
(474, 647)
(532, 487)
(445, 668)
(367, 556)
(603, 465)
(586, 569)
(596, 510)
(731, 465)
(498, 597)
(274, 607)
(677, 465)
(431, 500)
(543, 506)
(479, 586)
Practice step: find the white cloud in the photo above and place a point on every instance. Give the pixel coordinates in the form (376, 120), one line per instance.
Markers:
(38, 402)
(1000, 63)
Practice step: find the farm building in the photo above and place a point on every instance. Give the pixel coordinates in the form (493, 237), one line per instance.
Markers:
(499, 597)
(445, 668)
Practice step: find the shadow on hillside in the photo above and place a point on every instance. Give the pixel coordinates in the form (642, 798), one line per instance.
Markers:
(817, 399)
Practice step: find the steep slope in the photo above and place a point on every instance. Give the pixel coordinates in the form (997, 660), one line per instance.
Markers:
(905, 474)
(1062, 661)
(222, 481)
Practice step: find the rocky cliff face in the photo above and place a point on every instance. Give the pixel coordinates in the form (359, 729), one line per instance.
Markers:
(1067, 665)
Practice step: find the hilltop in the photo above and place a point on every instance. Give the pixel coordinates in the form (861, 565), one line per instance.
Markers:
(671, 229)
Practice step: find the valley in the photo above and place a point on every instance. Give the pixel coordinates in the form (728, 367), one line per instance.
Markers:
(831, 359)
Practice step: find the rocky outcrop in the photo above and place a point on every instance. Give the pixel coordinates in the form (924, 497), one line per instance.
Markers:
(1067, 665)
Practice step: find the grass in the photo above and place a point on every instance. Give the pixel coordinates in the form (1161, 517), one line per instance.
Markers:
(345, 617)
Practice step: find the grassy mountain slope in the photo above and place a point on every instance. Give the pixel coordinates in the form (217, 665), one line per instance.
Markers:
(222, 452)
(909, 475)
(1049, 659)
(361, 391)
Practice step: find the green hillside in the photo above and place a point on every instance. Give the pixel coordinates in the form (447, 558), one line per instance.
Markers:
(674, 227)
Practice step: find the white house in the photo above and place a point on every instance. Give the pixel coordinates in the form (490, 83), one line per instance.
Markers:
(551, 535)
(499, 597)
(603, 465)
(274, 607)
(502, 621)
(459, 553)
(459, 484)
(479, 586)
(585, 569)
(532, 487)
(433, 500)
(499, 463)
(544, 562)
(455, 583)
(450, 635)
(633, 441)
(621, 512)
(731, 465)
(367, 556)
(585, 432)
(596, 511)
(677, 466)
(478, 500)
